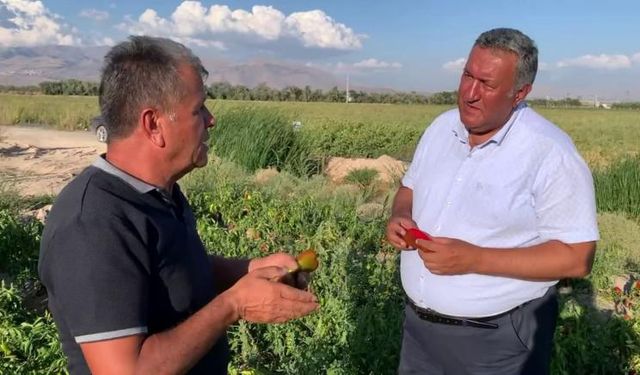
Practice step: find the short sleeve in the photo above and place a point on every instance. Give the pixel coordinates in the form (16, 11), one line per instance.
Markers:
(564, 199)
(96, 270)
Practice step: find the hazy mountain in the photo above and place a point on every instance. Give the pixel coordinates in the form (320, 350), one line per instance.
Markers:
(274, 74)
(31, 65)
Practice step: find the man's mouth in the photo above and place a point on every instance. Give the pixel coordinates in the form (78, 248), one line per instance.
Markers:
(471, 106)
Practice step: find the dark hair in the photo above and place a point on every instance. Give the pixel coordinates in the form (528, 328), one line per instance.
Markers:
(142, 72)
(512, 40)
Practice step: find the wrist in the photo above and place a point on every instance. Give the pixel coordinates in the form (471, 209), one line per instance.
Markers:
(478, 261)
(252, 264)
(228, 304)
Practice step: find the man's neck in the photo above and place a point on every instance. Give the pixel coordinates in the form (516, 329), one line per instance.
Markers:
(141, 165)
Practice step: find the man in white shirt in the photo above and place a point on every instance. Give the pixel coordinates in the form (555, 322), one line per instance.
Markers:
(510, 205)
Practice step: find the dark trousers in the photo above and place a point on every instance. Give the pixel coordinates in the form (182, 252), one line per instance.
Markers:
(521, 345)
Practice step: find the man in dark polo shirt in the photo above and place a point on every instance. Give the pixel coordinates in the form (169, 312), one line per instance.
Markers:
(130, 285)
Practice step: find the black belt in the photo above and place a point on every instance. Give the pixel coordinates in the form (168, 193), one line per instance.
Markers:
(436, 317)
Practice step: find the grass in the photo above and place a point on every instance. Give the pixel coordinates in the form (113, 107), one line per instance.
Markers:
(362, 177)
(365, 130)
(262, 138)
(618, 187)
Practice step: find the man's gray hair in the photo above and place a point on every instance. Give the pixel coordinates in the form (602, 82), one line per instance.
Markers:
(512, 40)
(138, 73)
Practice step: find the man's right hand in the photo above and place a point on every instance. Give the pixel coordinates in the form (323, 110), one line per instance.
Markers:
(260, 298)
(396, 228)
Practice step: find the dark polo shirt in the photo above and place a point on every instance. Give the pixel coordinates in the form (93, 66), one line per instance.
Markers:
(119, 257)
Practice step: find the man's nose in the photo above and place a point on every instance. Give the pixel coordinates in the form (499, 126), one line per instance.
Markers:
(473, 92)
(210, 120)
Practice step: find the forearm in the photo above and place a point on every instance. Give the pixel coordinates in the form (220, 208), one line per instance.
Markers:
(552, 260)
(402, 203)
(227, 271)
(177, 350)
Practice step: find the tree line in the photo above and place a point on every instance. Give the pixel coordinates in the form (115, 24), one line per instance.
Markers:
(262, 92)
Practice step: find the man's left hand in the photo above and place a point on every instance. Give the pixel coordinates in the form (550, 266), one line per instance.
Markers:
(448, 256)
(278, 260)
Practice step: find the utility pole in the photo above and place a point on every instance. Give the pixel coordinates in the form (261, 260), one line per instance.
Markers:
(346, 97)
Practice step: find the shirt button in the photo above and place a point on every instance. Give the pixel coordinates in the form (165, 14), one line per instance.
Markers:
(449, 203)
(459, 179)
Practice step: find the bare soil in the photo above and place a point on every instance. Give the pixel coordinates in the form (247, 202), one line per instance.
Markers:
(40, 161)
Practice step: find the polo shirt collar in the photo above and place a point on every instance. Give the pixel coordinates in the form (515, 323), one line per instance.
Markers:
(142, 187)
(463, 134)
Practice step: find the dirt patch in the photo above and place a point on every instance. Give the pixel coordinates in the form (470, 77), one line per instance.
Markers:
(38, 161)
(389, 169)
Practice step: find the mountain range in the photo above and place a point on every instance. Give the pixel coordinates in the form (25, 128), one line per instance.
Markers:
(23, 66)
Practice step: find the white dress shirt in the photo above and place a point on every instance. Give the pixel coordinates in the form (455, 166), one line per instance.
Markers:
(525, 186)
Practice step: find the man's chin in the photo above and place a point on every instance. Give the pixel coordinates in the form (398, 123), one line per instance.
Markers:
(470, 122)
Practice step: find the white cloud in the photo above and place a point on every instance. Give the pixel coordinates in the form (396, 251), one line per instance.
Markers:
(455, 65)
(106, 41)
(377, 64)
(316, 29)
(263, 23)
(543, 66)
(602, 61)
(32, 24)
(636, 58)
(95, 14)
(363, 67)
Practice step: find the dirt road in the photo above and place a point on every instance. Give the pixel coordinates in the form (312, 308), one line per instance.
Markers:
(36, 161)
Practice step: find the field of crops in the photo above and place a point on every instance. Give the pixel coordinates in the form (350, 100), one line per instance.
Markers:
(243, 211)
(339, 129)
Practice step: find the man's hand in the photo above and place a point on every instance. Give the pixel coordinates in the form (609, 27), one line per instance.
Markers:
(274, 260)
(448, 256)
(259, 298)
(396, 228)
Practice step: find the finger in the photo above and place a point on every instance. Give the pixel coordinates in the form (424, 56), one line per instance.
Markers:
(423, 245)
(297, 309)
(288, 261)
(294, 294)
(397, 242)
(408, 223)
(269, 273)
(428, 256)
(441, 240)
(291, 310)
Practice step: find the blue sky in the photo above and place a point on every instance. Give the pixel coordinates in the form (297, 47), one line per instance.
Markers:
(587, 48)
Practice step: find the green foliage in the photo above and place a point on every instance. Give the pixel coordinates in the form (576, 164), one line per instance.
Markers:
(358, 139)
(587, 344)
(29, 342)
(19, 241)
(358, 328)
(362, 177)
(238, 218)
(618, 187)
(69, 87)
(68, 112)
(618, 251)
(357, 129)
(262, 138)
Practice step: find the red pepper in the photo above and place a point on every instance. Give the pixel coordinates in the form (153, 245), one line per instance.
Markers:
(413, 234)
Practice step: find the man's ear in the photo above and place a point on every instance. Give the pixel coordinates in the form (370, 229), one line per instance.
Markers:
(152, 126)
(521, 94)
